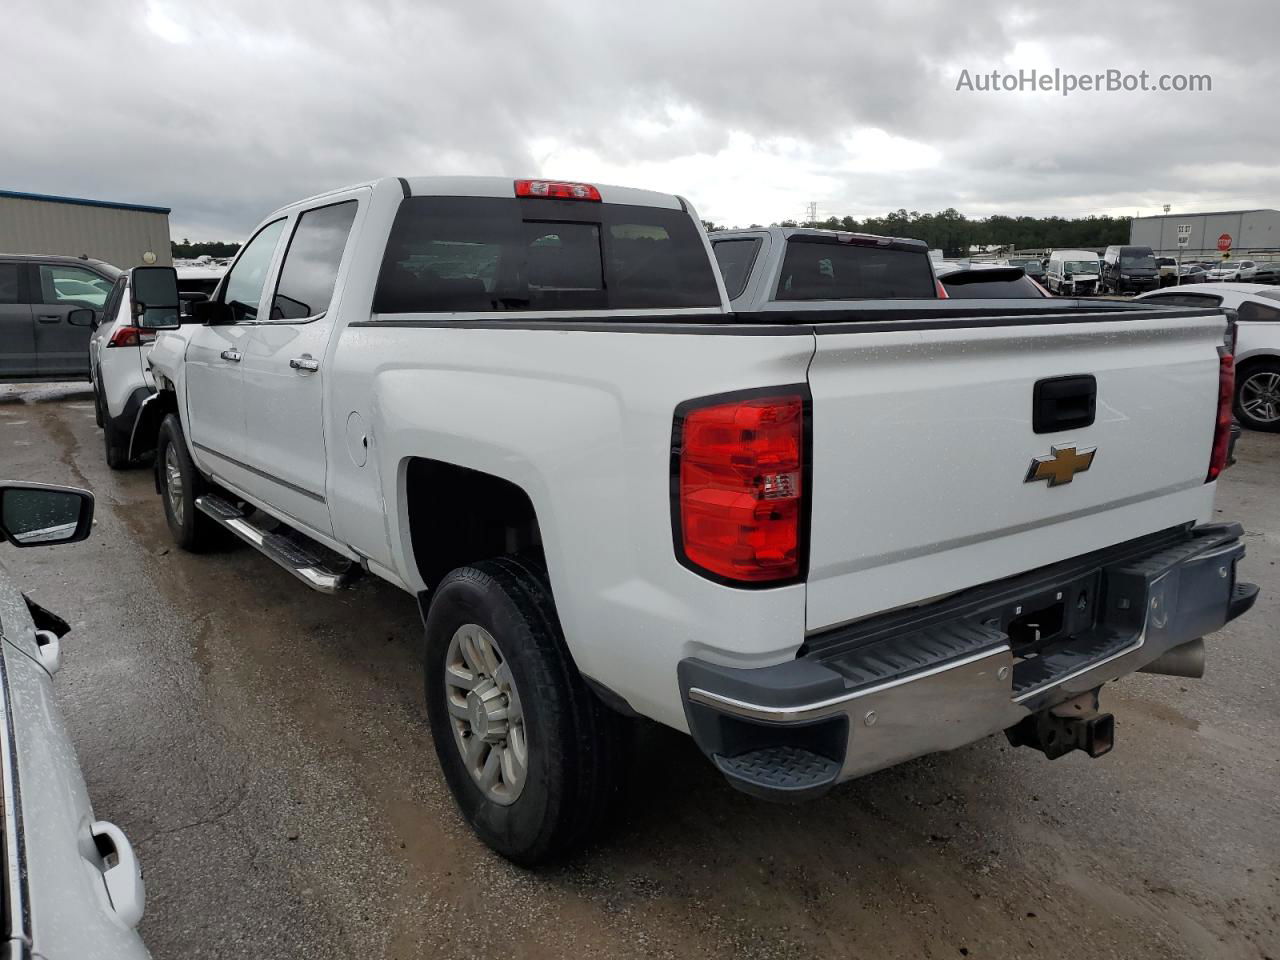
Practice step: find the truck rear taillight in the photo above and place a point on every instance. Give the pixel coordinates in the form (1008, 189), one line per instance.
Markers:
(740, 486)
(1222, 426)
(557, 189)
(942, 291)
(126, 336)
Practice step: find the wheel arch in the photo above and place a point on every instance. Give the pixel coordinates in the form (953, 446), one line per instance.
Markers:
(458, 515)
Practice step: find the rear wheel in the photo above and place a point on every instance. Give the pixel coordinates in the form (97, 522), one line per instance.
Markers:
(532, 757)
(1257, 403)
(180, 484)
(97, 402)
(117, 447)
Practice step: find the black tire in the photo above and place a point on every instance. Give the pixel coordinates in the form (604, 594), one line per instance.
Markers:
(193, 530)
(97, 402)
(1265, 369)
(116, 447)
(575, 751)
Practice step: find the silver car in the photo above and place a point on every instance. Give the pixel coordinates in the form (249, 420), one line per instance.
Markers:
(71, 885)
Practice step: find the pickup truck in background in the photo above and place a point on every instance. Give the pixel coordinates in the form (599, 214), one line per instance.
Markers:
(800, 268)
(821, 541)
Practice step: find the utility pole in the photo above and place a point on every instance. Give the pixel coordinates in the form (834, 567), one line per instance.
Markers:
(811, 211)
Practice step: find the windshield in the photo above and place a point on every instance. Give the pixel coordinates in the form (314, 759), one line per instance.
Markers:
(465, 254)
(1229, 264)
(1138, 262)
(1080, 266)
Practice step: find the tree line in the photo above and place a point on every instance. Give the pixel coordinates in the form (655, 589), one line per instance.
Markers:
(186, 250)
(956, 235)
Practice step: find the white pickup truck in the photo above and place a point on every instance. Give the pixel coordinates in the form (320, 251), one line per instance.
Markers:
(821, 542)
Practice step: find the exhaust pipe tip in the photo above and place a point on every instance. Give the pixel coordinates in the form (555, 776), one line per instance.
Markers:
(1186, 660)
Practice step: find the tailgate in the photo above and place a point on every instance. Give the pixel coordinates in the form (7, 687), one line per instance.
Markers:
(923, 442)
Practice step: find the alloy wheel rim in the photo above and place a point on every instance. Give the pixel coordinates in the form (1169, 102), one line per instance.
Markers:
(173, 483)
(485, 714)
(1260, 397)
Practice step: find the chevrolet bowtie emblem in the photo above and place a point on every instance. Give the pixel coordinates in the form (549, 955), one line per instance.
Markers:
(1061, 466)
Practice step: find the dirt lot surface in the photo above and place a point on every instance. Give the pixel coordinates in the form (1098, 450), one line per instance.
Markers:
(266, 749)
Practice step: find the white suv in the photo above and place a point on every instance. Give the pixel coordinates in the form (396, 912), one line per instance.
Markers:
(1257, 351)
(119, 372)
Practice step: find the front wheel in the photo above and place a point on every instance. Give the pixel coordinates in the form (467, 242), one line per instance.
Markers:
(531, 755)
(180, 484)
(1257, 403)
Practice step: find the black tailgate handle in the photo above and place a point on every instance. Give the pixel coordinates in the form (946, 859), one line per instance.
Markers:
(1064, 403)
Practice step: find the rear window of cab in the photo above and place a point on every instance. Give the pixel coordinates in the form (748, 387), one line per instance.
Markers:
(819, 269)
(492, 254)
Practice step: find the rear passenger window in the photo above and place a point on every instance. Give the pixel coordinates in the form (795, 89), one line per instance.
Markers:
(485, 254)
(310, 268)
(9, 282)
(822, 270)
(72, 285)
(736, 257)
(1249, 310)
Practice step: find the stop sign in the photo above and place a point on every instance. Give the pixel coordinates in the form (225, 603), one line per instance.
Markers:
(1224, 242)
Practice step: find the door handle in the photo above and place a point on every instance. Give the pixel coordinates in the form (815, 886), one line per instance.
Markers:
(232, 355)
(50, 317)
(49, 650)
(304, 362)
(123, 873)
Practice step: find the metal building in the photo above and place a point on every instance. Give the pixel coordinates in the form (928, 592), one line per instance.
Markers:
(1252, 232)
(119, 233)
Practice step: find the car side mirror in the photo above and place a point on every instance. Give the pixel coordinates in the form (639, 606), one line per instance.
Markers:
(82, 317)
(153, 298)
(41, 514)
(211, 312)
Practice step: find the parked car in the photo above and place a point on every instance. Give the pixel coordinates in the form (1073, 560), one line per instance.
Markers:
(1073, 273)
(1229, 270)
(1033, 267)
(820, 537)
(1191, 273)
(36, 295)
(119, 372)
(1167, 270)
(1257, 346)
(991, 283)
(1268, 272)
(197, 283)
(1128, 269)
(72, 887)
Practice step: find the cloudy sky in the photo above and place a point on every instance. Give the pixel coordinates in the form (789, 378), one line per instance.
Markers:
(224, 111)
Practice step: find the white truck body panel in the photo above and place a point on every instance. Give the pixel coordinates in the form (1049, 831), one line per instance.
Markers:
(920, 447)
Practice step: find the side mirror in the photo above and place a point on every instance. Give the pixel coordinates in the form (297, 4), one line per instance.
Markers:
(211, 312)
(82, 317)
(40, 514)
(153, 297)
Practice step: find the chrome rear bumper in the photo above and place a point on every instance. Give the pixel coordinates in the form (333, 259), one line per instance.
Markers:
(942, 676)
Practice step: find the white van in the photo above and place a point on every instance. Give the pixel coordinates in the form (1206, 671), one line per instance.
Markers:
(1073, 273)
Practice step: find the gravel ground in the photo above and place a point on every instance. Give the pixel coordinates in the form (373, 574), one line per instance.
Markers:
(266, 749)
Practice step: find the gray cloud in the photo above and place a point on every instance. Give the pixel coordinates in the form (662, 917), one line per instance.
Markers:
(225, 111)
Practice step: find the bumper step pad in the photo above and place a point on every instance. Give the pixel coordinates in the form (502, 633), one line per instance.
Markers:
(781, 769)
